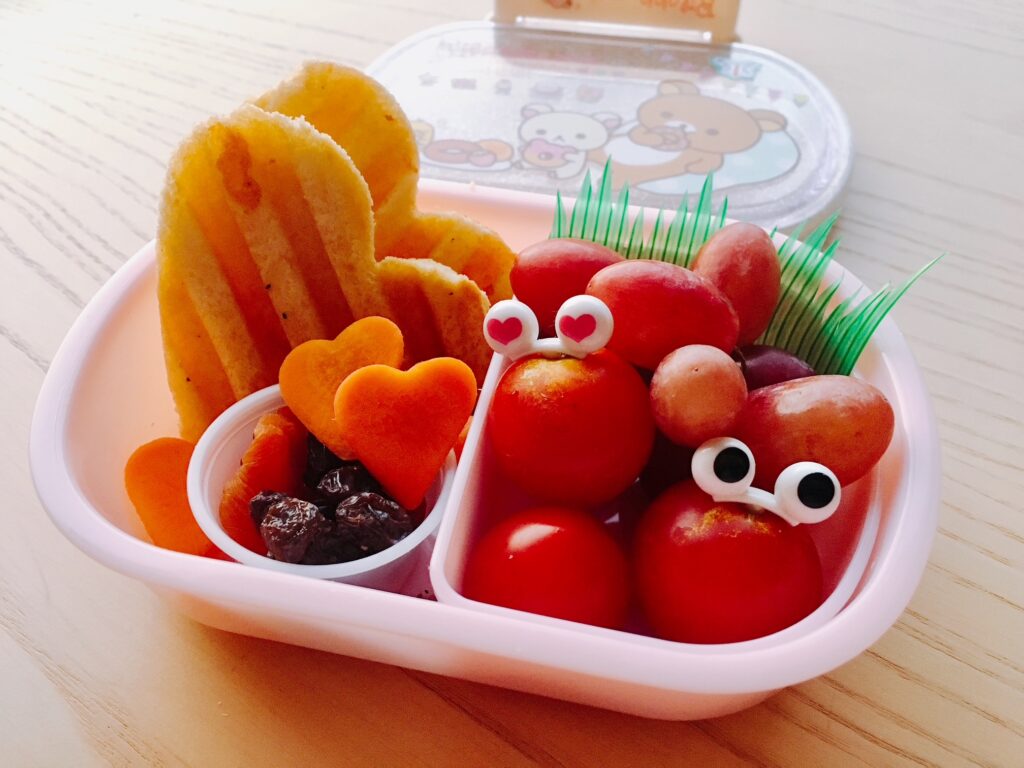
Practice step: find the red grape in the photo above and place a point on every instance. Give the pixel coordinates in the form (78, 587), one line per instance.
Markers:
(741, 261)
(841, 422)
(763, 365)
(549, 272)
(696, 394)
(659, 307)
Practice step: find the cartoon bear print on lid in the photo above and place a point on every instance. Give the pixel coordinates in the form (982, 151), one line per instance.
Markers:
(561, 142)
(482, 155)
(690, 133)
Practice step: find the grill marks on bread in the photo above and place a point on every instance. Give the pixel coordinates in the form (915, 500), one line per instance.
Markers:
(266, 241)
(366, 121)
(246, 269)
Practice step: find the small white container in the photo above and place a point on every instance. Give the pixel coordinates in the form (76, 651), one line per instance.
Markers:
(215, 461)
(106, 394)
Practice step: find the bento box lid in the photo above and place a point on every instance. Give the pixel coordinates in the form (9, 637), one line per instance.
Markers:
(531, 102)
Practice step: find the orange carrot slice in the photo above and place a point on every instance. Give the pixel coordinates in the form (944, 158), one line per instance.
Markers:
(273, 462)
(312, 372)
(155, 480)
(402, 424)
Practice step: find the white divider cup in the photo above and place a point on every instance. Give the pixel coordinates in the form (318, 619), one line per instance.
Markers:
(215, 461)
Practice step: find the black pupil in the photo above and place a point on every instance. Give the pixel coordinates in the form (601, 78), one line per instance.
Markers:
(731, 465)
(816, 490)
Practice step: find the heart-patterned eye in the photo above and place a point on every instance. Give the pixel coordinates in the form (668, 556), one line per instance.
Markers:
(577, 328)
(511, 329)
(505, 331)
(584, 324)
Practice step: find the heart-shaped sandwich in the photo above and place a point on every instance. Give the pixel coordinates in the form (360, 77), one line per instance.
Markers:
(267, 241)
(359, 113)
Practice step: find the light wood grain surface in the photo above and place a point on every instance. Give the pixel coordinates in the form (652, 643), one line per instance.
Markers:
(95, 669)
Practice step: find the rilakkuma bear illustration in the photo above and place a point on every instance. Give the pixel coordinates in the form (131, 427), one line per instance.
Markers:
(560, 142)
(483, 155)
(689, 133)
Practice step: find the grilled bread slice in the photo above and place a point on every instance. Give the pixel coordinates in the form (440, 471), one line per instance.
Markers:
(266, 240)
(360, 114)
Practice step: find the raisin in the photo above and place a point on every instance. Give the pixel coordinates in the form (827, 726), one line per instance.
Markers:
(290, 526)
(344, 481)
(319, 461)
(344, 515)
(372, 522)
(261, 502)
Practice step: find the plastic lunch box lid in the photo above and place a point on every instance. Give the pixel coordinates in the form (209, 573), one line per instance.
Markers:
(532, 107)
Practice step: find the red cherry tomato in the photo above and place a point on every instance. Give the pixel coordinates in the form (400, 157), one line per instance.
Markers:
(570, 431)
(713, 572)
(553, 561)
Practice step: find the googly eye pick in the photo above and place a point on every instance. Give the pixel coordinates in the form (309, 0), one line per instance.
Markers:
(723, 468)
(583, 325)
(805, 492)
(511, 329)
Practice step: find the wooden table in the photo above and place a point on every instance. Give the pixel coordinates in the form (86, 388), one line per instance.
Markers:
(94, 669)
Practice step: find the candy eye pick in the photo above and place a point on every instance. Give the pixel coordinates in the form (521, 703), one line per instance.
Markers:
(511, 329)
(805, 492)
(723, 467)
(583, 325)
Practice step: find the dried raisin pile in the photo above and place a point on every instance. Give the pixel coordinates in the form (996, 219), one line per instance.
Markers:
(344, 516)
(289, 526)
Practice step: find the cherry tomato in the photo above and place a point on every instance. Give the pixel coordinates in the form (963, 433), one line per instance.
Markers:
(713, 572)
(571, 431)
(553, 561)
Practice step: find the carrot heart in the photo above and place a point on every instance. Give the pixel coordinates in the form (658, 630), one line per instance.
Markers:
(273, 462)
(402, 424)
(155, 480)
(311, 373)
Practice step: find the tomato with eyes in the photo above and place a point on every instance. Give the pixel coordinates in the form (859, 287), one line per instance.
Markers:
(717, 572)
(570, 431)
(552, 561)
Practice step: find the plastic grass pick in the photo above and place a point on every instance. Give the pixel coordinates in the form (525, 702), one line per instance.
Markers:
(829, 340)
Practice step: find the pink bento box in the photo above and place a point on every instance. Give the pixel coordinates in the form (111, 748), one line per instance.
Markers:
(106, 393)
